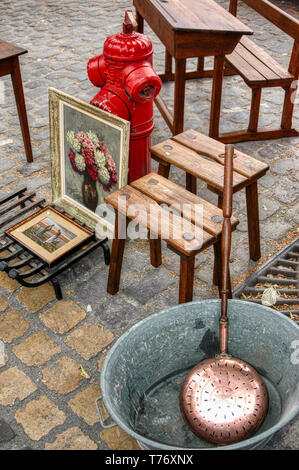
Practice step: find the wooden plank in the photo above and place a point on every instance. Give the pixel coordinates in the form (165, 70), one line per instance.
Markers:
(249, 74)
(191, 162)
(244, 164)
(278, 17)
(262, 133)
(257, 64)
(166, 225)
(164, 191)
(263, 56)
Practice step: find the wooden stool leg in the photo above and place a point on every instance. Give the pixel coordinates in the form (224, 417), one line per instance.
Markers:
(255, 109)
(191, 183)
(216, 96)
(220, 200)
(20, 102)
(253, 221)
(155, 252)
(164, 170)
(117, 253)
(179, 96)
(186, 279)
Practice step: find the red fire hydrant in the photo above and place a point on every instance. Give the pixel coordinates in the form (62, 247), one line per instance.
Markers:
(129, 85)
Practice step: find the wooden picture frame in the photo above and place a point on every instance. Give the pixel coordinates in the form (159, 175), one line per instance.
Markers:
(89, 158)
(50, 235)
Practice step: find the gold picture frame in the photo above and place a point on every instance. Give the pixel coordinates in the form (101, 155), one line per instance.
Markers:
(50, 235)
(89, 158)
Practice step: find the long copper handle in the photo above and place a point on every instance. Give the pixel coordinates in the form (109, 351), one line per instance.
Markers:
(226, 243)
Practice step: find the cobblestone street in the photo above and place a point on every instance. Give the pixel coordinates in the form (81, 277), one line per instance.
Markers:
(46, 402)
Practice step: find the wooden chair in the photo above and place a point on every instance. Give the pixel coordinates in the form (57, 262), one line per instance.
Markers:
(9, 64)
(142, 202)
(189, 151)
(259, 70)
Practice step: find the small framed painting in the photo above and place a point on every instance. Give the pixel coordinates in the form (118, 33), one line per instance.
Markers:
(89, 158)
(50, 235)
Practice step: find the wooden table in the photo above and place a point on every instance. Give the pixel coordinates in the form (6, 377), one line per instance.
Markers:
(189, 28)
(9, 64)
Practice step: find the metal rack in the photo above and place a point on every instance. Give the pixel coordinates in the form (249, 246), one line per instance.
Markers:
(22, 265)
(281, 271)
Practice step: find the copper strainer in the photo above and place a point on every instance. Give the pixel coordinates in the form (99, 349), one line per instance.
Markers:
(223, 399)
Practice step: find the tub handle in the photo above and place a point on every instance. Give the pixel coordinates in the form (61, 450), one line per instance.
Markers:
(105, 426)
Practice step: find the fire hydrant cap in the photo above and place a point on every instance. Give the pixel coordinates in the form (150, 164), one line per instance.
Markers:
(127, 47)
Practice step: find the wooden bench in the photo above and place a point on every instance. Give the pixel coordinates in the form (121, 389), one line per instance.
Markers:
(203, 158)
(9, 65)
(151, 192)
(259, 70)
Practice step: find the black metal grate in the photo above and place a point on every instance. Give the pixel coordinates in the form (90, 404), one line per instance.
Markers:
(280, 272)
(22, 265)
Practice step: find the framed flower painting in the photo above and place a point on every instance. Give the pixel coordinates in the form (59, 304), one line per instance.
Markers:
(89, 158)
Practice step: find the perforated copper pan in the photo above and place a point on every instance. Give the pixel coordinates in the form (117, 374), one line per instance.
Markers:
(223, 399)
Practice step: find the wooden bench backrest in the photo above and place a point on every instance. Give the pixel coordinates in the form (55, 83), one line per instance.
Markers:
(278, 17)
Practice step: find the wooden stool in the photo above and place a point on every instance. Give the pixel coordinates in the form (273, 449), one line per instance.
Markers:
(149, 192)
(9, 64)
(189, 150)
(189, 29)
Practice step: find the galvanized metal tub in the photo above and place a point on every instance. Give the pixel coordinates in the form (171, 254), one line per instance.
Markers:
(143, 372)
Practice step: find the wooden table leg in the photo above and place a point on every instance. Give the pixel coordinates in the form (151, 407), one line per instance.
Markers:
(216, 96)
(179, 108)
(117, 253)
(255, 109)
(186, 279)
(21, 107)
(253, 221)
(140, 22)
(200, 64)
(168, 65)
(179, 96)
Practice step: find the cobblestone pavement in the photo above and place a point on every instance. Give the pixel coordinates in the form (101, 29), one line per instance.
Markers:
(45, 403)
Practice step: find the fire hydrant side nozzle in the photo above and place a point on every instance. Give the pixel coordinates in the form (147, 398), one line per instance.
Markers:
(129, 85)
